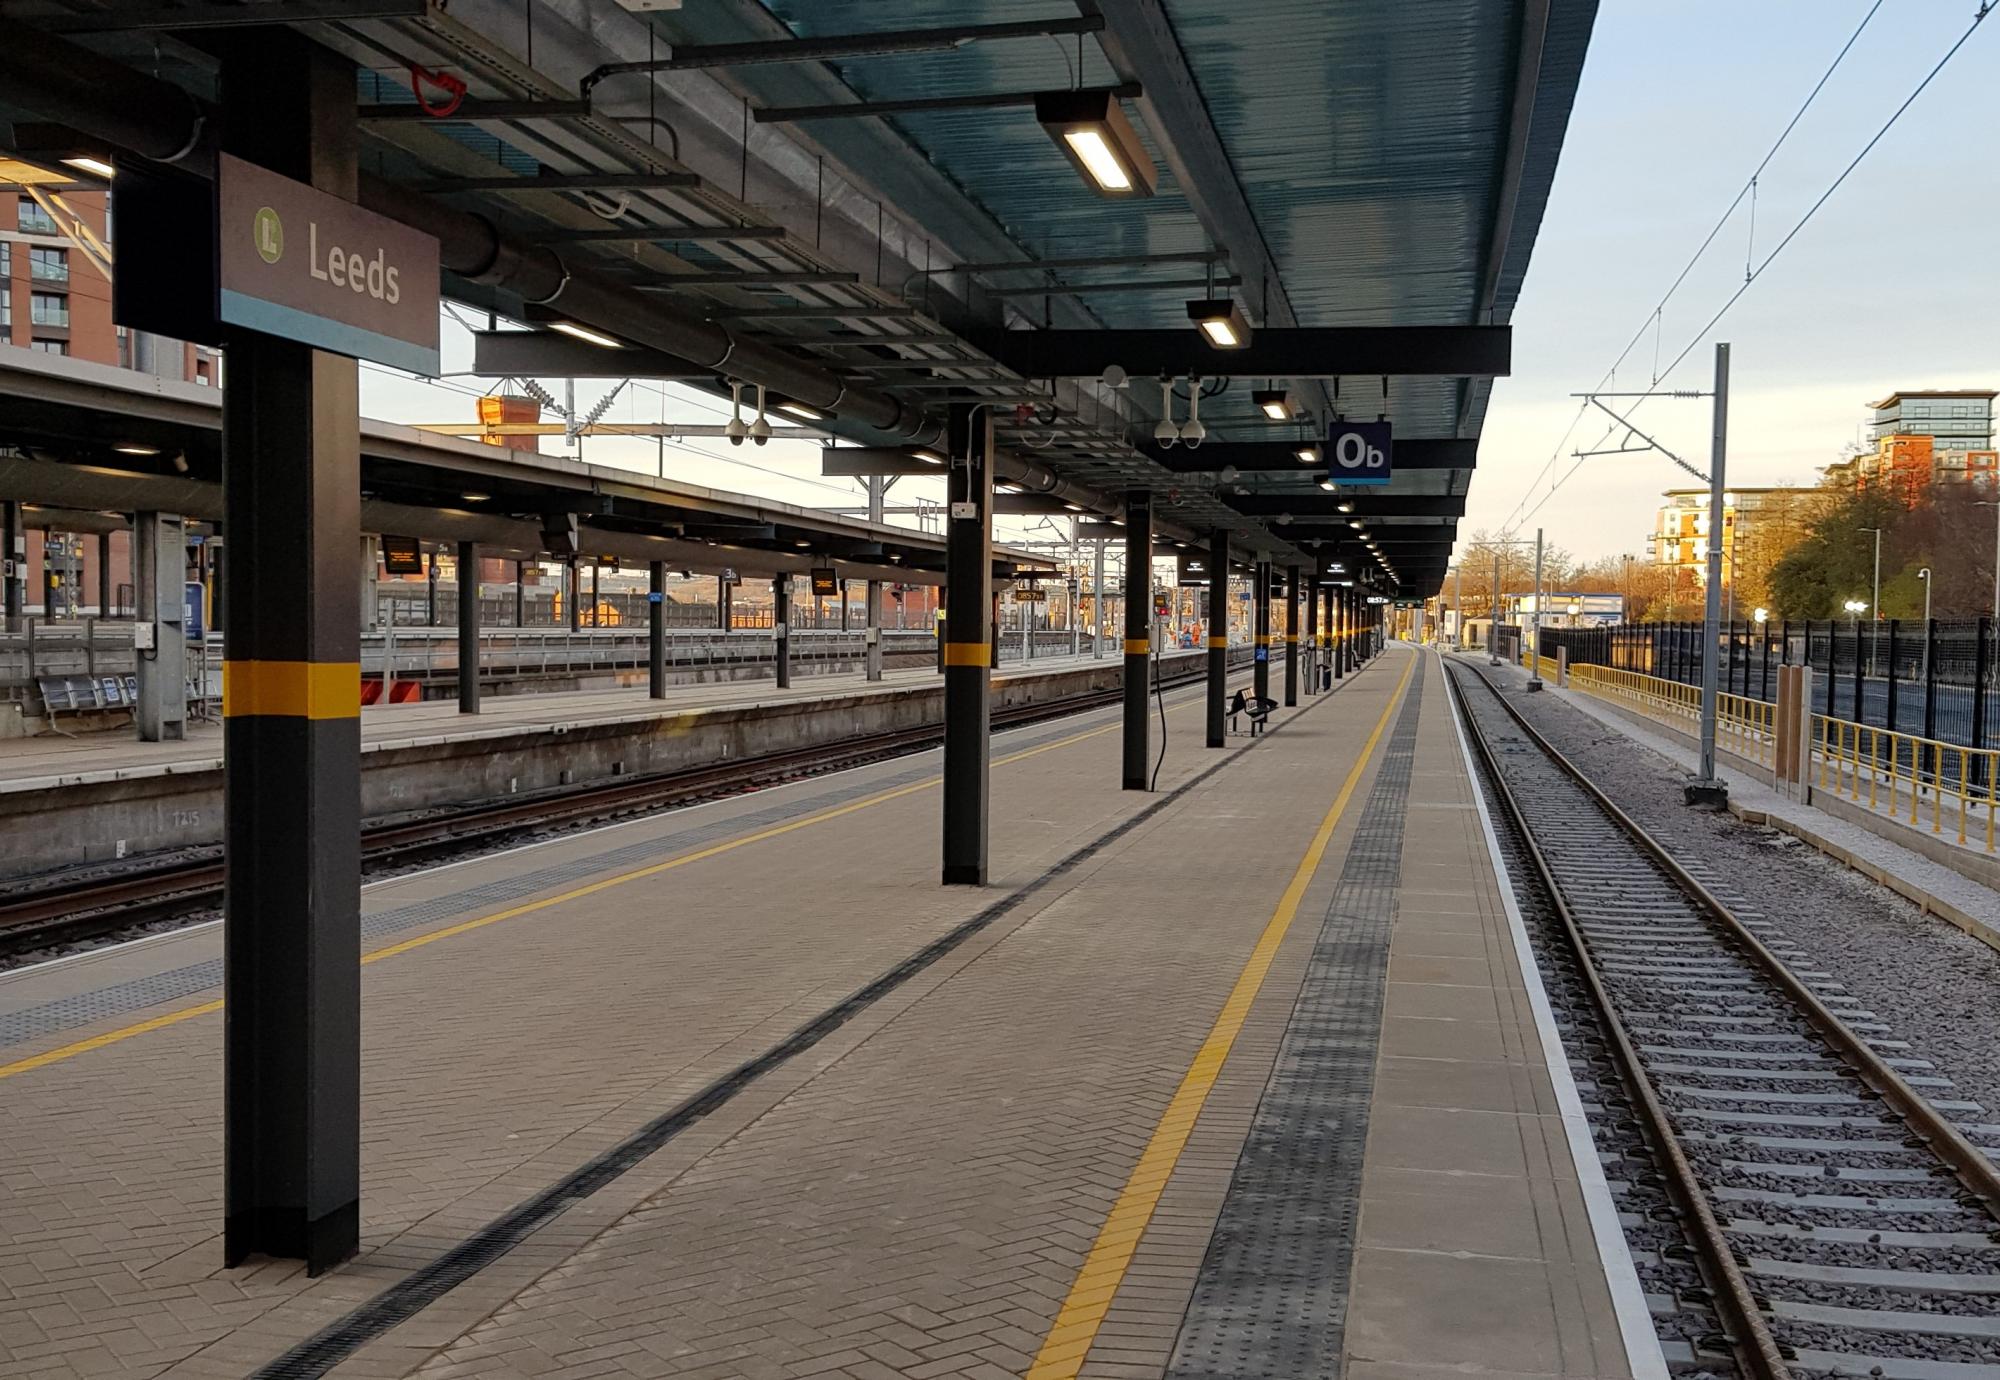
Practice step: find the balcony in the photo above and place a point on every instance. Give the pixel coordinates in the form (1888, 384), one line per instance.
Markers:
(44, 270)
(36, 221)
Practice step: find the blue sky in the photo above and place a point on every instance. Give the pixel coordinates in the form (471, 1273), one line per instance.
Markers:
(1894, 284)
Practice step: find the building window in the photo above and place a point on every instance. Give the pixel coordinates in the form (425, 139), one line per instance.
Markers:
(52, 347)
(49, 309)
(34, 220)
(48, 265)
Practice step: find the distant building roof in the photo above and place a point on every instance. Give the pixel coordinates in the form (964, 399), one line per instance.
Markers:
(1894, 398)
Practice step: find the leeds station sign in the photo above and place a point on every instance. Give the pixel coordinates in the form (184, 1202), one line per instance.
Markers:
(260, 252)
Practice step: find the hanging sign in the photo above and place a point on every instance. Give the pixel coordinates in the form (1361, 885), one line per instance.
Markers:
(825, 581)
(1028, 594)
(1193, 567)
(1359, 452)
(301, 264)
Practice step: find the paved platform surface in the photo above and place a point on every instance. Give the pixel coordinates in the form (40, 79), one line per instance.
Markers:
(50, 759)
(1029, 1157)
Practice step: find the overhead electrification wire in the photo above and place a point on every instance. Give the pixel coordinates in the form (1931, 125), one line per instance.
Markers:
(1985, 9)
(1654, 318)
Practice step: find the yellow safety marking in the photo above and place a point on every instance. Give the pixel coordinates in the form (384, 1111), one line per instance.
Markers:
(291, 689)
(1221, 642)
(112, 1037)
(1263, 639)
(1138, 646)
(1075, 1327)
(967, 654)
(1291, 639)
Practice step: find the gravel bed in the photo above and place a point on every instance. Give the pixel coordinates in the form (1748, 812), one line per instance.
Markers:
(1939, 987)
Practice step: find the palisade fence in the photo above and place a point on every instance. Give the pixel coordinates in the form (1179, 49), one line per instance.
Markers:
(1938, 680)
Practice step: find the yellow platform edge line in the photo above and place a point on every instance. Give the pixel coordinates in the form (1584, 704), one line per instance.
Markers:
(1090, 1296)
(123, 1033)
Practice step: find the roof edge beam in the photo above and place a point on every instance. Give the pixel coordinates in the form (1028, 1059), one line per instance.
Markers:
(979, 100)
(1293, 352)
(1411, 453)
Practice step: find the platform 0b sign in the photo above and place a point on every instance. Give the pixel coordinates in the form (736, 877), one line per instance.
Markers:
(1359, 452)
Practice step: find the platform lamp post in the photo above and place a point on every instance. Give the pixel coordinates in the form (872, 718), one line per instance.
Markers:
(1535, 657)
(1875, 616)
(1924, 574)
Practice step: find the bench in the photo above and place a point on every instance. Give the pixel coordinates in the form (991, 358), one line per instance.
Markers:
(1252, 707)
(81, 695)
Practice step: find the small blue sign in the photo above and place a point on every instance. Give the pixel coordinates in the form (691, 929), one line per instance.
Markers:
(193, 624)
(1359, 452)
(1263, 654)
(655, 597)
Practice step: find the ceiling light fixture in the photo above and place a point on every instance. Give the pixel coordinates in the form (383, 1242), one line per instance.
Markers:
(1221, 321)
(1345, 507)
(471, 497)
(1274, 403)
(96, 167)
(133, 448)
(1355, 524)
(1092, 130)
(801, 411)
(1309, 455)
(1326, 482)
(929, 457)
(584, 333)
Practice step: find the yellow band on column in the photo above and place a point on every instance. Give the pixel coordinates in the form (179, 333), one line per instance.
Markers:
(1263, 639)
(1291, 639)
(1219, 643)
(1138, 646)
(291, 689)
(967, 654)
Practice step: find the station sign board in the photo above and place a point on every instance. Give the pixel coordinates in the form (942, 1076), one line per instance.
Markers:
(304, 265)
(1359, 452)
(402, 556)
(1193, 567)
(1029, 594)
(825, 581)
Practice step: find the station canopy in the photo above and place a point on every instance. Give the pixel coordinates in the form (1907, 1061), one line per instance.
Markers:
(1301, 218)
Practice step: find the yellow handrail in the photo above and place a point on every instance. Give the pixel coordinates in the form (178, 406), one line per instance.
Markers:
(1903, 775)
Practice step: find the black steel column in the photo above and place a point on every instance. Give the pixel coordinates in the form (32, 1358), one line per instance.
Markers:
(656, 629)
(781, 628)
(1291, 635)
(1260, 675)
(16, 557)
(573, 592)
(103, 574)
(722, 603)
(1218, 637)
(292, 717)
(1138, 633)
(468, 627)
(1336, 604)
(967, 672)
(520, 592)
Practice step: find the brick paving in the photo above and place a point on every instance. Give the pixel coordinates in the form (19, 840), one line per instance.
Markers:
(912, 1197)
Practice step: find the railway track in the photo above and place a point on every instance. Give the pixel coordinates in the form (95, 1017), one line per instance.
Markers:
(1803, 1195)
(37, 917)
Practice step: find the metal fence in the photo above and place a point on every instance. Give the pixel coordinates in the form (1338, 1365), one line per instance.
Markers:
(1937, 680)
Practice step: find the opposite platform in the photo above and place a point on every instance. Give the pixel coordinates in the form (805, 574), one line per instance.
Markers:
(1024, 1153)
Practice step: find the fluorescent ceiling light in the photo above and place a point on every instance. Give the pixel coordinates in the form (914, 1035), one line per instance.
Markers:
(472, 497)
(1309, 455)
(1222, 323)
(799, 410)
(1274, 403)
(1326, 482)
(570, 328)
(929, 457)
(96, 167)
(132, 448)
(1347, 507)
(1091, 129)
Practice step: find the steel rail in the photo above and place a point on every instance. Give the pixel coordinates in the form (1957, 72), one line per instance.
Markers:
(1758, 1353)
(65, 913)
(1974, 1171)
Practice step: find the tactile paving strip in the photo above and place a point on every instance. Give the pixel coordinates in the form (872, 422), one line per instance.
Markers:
(1271, 1299)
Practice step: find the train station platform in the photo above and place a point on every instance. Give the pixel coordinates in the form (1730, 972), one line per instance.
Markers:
(98, 797)
(1240, 1077)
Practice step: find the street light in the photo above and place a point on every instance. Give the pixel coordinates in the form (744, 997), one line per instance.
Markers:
(1875, 642)
(1925, 575)
(1762, 615)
